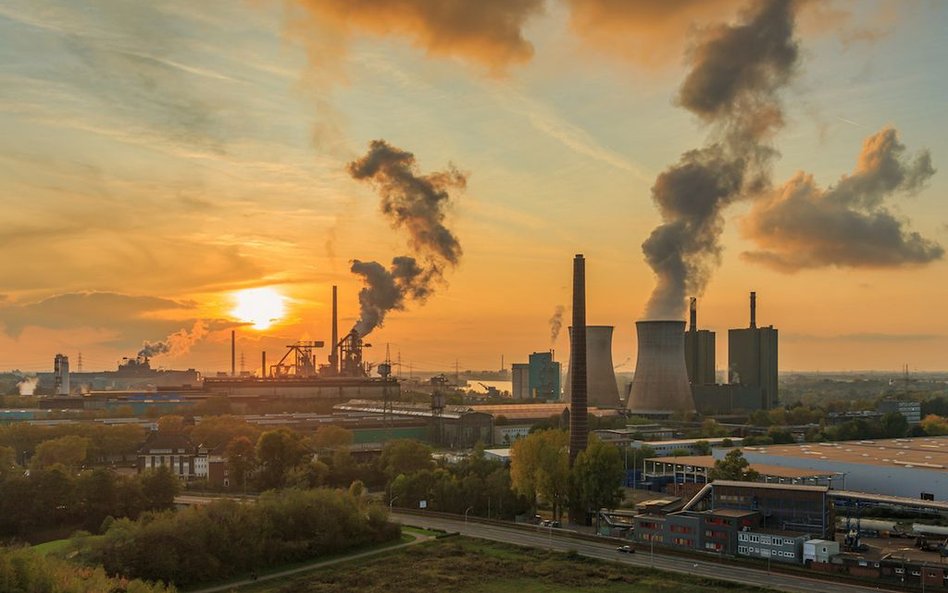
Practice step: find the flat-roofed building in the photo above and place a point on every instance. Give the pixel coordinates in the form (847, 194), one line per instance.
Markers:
(910, 468)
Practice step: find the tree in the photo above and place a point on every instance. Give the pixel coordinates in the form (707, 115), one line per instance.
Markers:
(597, 478)
(331, 437)
(278, 451)
(404, 456)
(733, 467)
(934, 425)
(214, 431)
(160, 486)
(69, 451)
(702, 447)
(539, 467)
(241, 460)
(894, 425)
(171, 424)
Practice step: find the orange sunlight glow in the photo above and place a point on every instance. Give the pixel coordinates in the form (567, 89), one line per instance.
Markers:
(261, 307)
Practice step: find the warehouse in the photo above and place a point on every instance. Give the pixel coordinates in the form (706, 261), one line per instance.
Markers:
(911, 468)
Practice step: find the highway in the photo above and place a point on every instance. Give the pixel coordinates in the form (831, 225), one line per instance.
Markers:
(547, 538)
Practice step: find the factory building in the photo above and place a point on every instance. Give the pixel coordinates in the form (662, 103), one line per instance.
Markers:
(752, 358)
(912, 411)
(544, 376)
(911, 468)
(61, 375)
(602, 390)
(520, 376)
(699, 351)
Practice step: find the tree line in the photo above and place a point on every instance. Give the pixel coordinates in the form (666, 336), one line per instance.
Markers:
(54, 498)
(223, 538)
(24, 571)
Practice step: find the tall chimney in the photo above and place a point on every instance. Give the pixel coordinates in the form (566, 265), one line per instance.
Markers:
(693, 310)
(263, 364)
(334, 355)
(233, 353)
(578, 426)
(753, 310)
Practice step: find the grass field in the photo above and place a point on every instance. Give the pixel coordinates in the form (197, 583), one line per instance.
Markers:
(464, 565)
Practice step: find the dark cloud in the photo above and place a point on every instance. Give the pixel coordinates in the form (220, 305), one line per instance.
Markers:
(733, 84)
(410, 200)
(489, 32)
(99, 310)
(849, 224)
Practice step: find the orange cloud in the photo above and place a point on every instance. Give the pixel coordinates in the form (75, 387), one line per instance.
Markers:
(488, 32)
(651, 33)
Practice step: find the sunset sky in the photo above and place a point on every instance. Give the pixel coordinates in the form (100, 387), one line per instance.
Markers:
(158, 157)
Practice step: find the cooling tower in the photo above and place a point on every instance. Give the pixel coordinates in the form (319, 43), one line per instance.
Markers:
(601, 388)
(660, 385)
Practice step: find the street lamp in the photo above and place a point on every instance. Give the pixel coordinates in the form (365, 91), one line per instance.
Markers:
(390, 501)
(468, 509)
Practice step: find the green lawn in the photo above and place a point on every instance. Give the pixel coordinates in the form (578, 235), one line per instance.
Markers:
(57, 545)
(465, 565)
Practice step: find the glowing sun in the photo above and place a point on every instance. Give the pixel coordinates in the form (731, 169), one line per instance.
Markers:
(261, 307)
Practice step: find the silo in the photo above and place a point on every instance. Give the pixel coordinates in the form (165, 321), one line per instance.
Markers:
(602, 390)
(660, 385)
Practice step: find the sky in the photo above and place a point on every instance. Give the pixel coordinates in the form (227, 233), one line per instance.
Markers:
(156, 159)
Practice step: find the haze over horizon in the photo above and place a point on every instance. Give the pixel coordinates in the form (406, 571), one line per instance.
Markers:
(172, 171)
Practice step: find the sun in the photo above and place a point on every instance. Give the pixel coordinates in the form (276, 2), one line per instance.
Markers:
(261, 307)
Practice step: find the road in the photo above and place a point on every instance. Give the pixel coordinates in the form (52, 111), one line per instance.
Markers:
(547, 538)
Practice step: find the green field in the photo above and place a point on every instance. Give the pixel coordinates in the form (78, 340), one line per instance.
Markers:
(464, 565)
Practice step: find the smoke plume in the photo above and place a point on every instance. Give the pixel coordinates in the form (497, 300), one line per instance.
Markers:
(556, 323)
(850, 224)
(736, 74)
(416, 203)
(410, 200)
(177, 343)
(27, 386)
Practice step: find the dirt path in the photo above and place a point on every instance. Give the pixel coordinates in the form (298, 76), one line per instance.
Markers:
(315, 565)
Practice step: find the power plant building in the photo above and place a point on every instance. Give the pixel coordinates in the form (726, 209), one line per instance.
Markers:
(601, 387)
(660, 386)
(699, 351)
(61, 375)
(544, 376)
(520, 376)
(752, 358)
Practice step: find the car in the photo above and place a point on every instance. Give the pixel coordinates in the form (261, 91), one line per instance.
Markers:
(626, 549)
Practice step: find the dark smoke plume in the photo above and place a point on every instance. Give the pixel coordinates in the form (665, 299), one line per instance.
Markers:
(801, 225)
(152, 349)
(416, 203)
(410, 200)
(733, 84)
(556, 323)
(385, 290)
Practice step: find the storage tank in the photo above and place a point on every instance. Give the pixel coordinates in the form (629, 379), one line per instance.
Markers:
(601, 388)
(660, 384)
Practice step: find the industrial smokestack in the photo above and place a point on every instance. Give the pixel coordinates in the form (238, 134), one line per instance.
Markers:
(753, 310)
(233, 353)
(601, 388)
(263, 364)
(334, 354)
(577, 362)
(660, 385)
(693, 311)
